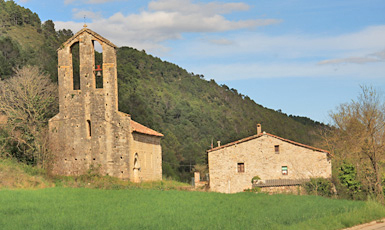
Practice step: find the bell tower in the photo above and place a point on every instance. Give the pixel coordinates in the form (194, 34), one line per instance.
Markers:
(89, 129)
(89, 133)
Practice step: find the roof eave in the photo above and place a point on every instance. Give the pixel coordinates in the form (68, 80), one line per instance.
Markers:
(96, 35)
(271, 135)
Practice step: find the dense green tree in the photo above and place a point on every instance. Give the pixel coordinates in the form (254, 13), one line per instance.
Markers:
(347, 175)
(9, 56)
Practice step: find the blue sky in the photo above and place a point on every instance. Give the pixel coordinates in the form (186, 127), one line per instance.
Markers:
(304, 57)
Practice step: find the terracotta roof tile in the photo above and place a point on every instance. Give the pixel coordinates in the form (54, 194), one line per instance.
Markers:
(139, 128)
(271, 135)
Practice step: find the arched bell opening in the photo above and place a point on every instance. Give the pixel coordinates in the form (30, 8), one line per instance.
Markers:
(75, 61)
(98, 62)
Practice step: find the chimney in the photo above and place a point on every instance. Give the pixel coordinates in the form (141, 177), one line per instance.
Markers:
(219, 143)
(259, 129)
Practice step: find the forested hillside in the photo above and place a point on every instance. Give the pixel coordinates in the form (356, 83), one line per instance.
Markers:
(24, 40)
(189, 110)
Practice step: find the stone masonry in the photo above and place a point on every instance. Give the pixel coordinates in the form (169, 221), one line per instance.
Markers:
(89, 130)
(232, 166)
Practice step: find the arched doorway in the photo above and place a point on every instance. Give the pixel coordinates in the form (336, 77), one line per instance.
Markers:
(136, 169)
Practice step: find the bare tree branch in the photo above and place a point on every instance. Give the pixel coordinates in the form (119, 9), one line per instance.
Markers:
(28, 100)
(358, 136)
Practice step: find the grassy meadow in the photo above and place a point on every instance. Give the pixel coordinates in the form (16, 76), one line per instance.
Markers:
(85, 208)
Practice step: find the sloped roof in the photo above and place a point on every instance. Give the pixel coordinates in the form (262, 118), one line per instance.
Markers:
(139, 128)
(271, 135)
(280, 182)
(86, 30)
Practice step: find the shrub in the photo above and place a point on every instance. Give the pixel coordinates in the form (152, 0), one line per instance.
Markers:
(319, 187)
(347, 176)
(255, 189)
(256, 178)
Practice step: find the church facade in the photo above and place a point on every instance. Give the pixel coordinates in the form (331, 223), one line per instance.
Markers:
(89, 131)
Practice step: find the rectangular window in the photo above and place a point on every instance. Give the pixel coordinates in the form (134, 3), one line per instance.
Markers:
(276, 148)
(284, 170)
(241, 167)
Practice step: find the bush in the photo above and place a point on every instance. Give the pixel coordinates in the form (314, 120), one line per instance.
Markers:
(347, 176)
(255, 189)
(319, 187)
(255, 178)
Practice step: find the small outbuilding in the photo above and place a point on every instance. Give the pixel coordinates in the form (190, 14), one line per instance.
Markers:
(275, 160)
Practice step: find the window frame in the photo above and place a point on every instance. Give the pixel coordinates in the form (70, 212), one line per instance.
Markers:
(240, 167)
(276, 149)
(285, 170)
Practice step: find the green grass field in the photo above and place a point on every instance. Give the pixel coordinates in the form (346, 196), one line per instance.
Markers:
(84, 208)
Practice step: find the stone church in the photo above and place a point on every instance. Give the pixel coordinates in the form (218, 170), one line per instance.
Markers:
(89, 131)
(281, 164)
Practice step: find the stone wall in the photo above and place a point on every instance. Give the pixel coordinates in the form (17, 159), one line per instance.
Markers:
(294, 189)
(149, 153)
(260, 159)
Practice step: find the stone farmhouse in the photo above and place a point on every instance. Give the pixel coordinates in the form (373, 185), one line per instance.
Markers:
(278, 162)
(89, 131)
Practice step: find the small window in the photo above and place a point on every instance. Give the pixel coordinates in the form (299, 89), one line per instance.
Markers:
(241, 167)
(89, 128)
(276, 147)
(284, 170)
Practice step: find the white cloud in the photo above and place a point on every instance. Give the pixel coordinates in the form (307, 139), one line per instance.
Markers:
(68, 1)
(241, 71)
(373, 57)
(88, 1)
(187, 7)
(351, 60)
(256, 55)
(100, 1)
(261, 55)
(80, 14)
(296, 46)
(166, 20)
(221, 41)
(380, 55)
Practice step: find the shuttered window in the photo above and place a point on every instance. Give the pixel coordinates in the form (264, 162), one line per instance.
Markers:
(276, 148)
(241, 167)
